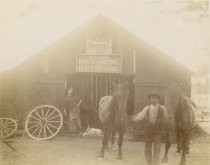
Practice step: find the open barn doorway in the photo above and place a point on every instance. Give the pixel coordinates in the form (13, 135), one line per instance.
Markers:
(91, 87)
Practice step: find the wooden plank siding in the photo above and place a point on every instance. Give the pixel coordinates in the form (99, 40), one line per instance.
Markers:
(41, 79)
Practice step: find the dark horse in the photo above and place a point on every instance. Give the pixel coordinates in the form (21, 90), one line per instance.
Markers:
(183, 112)
(112, 113)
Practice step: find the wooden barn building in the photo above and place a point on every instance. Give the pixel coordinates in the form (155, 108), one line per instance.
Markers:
(90, 59)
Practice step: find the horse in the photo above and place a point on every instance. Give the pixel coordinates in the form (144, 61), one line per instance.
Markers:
(182, 111)
(103, 114)
(112, 113)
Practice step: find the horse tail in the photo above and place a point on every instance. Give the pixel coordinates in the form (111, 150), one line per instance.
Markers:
(194, 115)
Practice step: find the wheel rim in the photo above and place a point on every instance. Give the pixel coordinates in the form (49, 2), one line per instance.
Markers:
(43, 122)
(8, 127)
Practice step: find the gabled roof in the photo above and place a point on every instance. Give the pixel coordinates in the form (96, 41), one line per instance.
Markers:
(100, 19)
(100, 22)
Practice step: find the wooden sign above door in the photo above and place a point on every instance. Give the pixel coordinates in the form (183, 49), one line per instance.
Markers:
(99, 63)
(99, 46)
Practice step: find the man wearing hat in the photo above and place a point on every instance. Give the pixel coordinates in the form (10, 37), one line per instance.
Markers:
(153, 115)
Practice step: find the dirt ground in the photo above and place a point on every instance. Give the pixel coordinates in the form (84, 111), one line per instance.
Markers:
(74, 150)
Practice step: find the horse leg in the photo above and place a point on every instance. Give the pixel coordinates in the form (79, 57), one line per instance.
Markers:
(120, 143)
(188, 144)
(179, 141)
(167, 147)
(112, 140)
(107, 144)
(184, 147)
(104, 143)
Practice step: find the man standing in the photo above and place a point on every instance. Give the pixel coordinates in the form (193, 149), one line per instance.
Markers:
(73, 112)
(154, 116)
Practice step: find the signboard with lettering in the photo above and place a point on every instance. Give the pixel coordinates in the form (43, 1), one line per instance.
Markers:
(99, 47)
(100, 64)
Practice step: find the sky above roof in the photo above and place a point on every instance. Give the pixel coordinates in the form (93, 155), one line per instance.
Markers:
(179, 29)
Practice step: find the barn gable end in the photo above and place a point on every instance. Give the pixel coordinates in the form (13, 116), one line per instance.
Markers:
(42, 78)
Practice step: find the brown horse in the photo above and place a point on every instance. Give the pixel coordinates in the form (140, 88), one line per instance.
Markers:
(112, 113)
(183, 112)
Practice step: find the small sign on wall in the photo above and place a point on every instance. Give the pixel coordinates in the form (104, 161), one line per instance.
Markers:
(99, 47)
(99, 63)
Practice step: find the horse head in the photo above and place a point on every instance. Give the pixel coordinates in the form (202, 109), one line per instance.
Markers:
(120, 97)
(173, 97)
(121, 90)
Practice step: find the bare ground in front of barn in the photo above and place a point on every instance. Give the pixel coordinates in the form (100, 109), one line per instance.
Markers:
(74, 150)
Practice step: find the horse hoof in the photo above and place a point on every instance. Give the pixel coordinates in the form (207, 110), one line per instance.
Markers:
(187, 154)
(100, 156)
(119, 157)
(112, 148)
(178, 152)
(182, 163)
(165, 160)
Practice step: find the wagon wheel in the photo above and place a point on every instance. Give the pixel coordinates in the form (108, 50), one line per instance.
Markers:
(8, 127)
(43, 122)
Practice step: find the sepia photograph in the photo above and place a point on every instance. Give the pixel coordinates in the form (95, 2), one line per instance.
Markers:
(104, 82)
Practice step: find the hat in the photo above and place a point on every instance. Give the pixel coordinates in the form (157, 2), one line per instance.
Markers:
(154, 93)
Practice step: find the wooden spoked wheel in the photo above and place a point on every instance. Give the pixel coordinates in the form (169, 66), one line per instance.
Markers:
(8, 127)
(43, 122)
